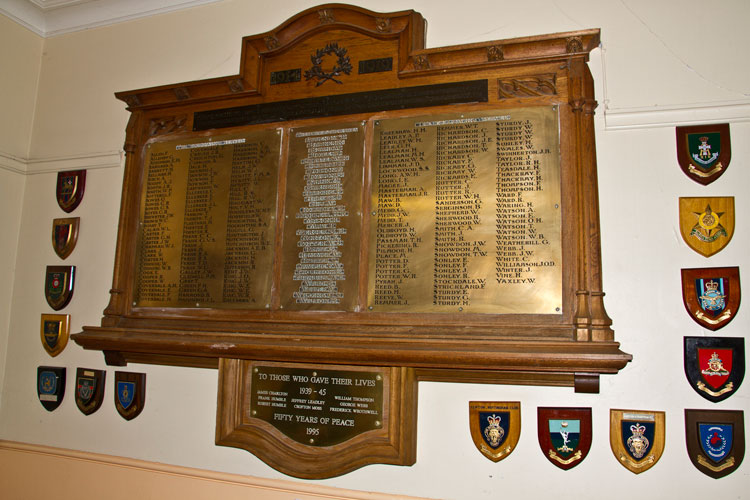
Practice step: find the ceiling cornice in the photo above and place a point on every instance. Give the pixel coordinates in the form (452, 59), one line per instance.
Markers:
(49, 18)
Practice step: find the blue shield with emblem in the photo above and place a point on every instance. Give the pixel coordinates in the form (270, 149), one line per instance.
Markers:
(125, 393)
(712, 294)
(494, 427)
(47, 384)
(716, 440)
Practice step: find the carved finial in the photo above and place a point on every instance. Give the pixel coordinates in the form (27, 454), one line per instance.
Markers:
(421, 62)
(182, 93)
(383, 24)
(236, 85)
(326, 16)
(574, 44)
(495, 53)
(271, 42)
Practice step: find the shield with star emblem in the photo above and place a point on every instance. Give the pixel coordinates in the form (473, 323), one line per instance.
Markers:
(715, 440)
(707, 224)
(495, 427)
(714, 366)
(637, 438)
(564, 435)
(704, 151)
(711, 295)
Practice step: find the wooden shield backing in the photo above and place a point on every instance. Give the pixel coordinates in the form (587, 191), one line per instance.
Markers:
(728, 383)
(89, 389)
(65, 235)
(54, 332)
(711, 295)
(495, 427)
(564, 435)
(58, 286)
(707, 224)
(626, 438)
(70, 187)
(50, 386)
(719, 451)
(704, 151)
(130, 394)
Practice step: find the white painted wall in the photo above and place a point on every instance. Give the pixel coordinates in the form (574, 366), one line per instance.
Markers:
(661, 64)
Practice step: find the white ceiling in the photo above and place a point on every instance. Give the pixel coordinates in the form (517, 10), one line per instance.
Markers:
(55, 17)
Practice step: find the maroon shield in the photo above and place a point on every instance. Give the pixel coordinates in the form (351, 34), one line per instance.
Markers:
(711, 295)
(564, 435)
(704, 151)
(70, 187)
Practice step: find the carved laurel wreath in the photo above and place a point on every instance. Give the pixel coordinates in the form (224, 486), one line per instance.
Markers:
(343, 65)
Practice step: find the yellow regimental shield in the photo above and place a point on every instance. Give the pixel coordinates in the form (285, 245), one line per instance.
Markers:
(707, 224)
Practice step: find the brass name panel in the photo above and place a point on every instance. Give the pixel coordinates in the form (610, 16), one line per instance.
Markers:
(323, 214)
(466, 213)
(314, 406)
(207, 222)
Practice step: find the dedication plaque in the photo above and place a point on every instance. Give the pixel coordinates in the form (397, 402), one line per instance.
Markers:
(207, 222)
(315, 406)
(466, 213)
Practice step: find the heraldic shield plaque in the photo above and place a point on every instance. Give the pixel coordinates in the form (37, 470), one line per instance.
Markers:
(707, 224)
(564, 435)
(715, 366)
(704, 151)
(637, 438)
(130, 394)
(55, 329)
(711, 295)
(59, 283)
(495, 427)
(715, 440)
(50, 386)
(70, 187)
(65, 235)
(89, 389)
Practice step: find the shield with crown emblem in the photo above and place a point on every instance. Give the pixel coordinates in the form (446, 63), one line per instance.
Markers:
(495, 427)
(564, 435)
(636, 438)
(711, 295)
(715, 440)
(707, 224)
(715, 366)
(704, 151)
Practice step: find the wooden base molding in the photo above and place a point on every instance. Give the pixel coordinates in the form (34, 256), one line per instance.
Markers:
(71, 474)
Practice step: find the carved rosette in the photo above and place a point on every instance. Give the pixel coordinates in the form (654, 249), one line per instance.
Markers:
(271, 42)
(421, 62)
(182, 93)
(383, 24)
(495, 53)
(326, 16)
(167, 125)
(528, 86)
(133, 100)
(236, 85)
(573, 45)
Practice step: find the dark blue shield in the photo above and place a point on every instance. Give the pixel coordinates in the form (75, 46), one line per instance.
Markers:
(494, 427)
(637, 437)
(125, 393)
(716, 440)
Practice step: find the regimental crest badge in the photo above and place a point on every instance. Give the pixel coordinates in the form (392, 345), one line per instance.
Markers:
(495, 427)
(707, 224)
(65, 235)
(704, 151)
(58, 286)
(50, 386)
(89, 389)
(711, 295)
(70, 187)
(715, 440)
(564, 435)
(130, 394)
(55, 330)
(636, 438)
(715, 366)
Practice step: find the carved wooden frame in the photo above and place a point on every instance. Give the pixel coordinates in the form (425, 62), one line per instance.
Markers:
(570, 349)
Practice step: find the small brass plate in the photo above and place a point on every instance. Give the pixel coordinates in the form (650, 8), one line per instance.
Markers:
(207, 222)
(322, 222)
(315, 406)
(465, 213)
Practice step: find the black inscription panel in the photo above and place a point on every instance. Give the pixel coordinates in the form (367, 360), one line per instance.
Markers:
(286, 76)
(315, 406)
(466, 213)
(376, 65)
(345, 104)
(206, 227)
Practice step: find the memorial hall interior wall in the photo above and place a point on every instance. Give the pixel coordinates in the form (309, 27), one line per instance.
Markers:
(661, 64)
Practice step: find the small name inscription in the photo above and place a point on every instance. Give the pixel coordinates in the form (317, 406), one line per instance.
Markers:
(286, 76)
(318, 407)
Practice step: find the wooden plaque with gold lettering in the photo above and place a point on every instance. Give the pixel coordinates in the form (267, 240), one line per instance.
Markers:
(353, 200)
